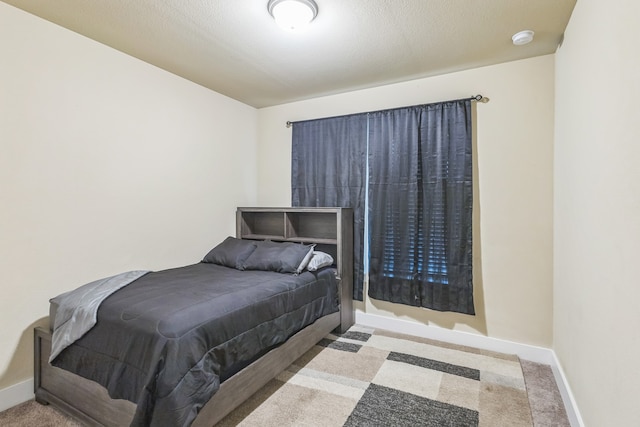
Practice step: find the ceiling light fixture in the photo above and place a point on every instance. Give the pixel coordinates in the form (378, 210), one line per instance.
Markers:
(292, 14)
(522, 37)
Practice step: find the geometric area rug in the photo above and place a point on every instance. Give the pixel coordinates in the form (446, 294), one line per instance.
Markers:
(368, 377)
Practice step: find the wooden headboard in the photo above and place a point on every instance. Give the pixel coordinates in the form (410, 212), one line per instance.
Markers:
(331, 229)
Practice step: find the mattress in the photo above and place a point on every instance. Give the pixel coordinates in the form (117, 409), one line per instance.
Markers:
(167, 340)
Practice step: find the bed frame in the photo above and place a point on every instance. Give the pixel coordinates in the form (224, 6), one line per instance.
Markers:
(330, 229)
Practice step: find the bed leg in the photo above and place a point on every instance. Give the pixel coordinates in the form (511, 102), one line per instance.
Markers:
(41, 401)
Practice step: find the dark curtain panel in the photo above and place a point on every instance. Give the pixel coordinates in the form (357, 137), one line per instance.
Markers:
(328, 168)
(420, 206)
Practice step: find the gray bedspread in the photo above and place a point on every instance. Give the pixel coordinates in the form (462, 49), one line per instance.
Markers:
(77, 310)
(165, 341)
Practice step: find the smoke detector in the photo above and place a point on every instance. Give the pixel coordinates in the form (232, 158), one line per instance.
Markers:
(522, 37)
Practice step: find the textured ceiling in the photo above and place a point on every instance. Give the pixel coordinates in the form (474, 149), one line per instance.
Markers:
(235, 48)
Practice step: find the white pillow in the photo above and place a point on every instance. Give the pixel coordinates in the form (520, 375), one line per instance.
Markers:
(319, 260)
(305, 260)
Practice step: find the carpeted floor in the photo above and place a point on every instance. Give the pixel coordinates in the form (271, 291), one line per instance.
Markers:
(372, 377)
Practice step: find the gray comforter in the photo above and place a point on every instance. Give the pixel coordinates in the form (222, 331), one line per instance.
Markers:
(77, 310)
(167, 340)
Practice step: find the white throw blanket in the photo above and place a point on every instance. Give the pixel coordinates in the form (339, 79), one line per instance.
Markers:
(78, 309)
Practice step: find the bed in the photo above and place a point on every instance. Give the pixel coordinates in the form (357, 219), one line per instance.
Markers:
(232, 366)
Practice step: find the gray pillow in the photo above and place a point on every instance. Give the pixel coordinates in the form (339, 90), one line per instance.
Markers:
(231, 252)
(280, 257)
(319, 260)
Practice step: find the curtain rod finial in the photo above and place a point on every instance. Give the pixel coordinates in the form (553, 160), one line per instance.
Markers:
(288, 124)
(481, 98)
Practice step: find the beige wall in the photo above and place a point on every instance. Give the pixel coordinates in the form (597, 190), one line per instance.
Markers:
(514, 176)
(597, 211)
(106, 164)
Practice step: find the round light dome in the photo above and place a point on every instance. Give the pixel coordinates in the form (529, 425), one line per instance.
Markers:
(293, 14)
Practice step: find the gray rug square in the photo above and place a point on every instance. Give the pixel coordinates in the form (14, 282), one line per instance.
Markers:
(383, 406)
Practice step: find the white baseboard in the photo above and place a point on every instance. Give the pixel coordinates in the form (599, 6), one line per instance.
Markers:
(16, 394)
(524, 351)
(567, 395)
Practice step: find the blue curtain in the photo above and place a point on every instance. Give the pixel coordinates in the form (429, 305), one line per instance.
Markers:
(416, 163)
(328, 168)
(420, 206)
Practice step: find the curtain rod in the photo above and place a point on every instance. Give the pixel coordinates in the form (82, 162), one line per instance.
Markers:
(478, 98)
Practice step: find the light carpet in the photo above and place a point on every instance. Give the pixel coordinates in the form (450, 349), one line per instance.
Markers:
(372, 377)
(369, 377)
